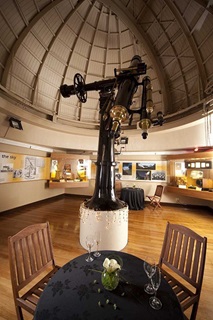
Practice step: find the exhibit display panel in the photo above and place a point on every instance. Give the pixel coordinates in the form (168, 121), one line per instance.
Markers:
(69, 171)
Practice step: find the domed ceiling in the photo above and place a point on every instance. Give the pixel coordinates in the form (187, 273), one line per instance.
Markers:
(44, 43)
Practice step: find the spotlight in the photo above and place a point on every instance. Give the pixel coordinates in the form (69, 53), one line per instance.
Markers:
(15, 123)
(124, 140)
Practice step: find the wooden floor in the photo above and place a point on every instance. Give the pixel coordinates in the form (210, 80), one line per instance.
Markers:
(146, 232)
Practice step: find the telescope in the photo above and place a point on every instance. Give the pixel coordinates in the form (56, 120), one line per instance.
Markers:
(80, 88)
(117, 108)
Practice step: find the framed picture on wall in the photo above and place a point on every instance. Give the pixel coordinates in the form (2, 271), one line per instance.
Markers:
(158, 175)
(145, 165)
(143, 175)
(127, 168)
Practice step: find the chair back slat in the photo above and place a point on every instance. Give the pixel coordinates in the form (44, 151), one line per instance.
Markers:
(178, 250)
(196, 261)
(189, 257)
(31, 250)
(184, 252)
(25, 254)
(18, 255)
(40, 248)
(32, 255)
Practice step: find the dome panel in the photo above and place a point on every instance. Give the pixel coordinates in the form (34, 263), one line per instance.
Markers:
(29, 9)
(113, 23)
(87, 33)
(67, 36)
(78, 62)
(101, 39)
(12, 17)
(60, 51)
(126, 38)
(32, 46)
(103, 23)
(113, 56)
(54, 64)
(91, 103)
(42, 33)
(93, 16)
(88, 115)
(50, 76)
(75, 23)
(113, 41)
(47, 90)
(45, 102)
(20, 89)
(7, 37)
(98, 54)
(52, 21)
(28, 59)
(20, 71)
(126, 53)
(82, 47)
(95, 68)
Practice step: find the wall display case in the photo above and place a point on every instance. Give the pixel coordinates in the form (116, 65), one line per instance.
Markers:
(69, 171)
(191, 175)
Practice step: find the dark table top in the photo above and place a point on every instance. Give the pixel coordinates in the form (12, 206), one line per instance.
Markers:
(134, 197)
(76, 293)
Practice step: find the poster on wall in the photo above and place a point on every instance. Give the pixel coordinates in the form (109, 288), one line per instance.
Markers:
(158, 175)
(16, 167)
(145, 166)
(127, 169)
(143, 175)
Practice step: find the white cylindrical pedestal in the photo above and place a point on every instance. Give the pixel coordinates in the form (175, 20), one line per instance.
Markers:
(112, 225)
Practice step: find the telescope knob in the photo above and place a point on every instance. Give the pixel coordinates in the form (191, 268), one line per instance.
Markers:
(79, 87)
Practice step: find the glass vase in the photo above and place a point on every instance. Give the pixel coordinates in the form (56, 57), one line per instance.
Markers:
(110, 280)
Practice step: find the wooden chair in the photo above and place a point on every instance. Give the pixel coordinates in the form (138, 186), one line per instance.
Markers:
(30, 256)
(156, 198)
(182, 262)
(118, 187)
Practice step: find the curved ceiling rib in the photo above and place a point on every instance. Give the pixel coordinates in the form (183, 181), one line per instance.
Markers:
(49, 48)
(77, 39)
(190, 39)
(170, 43)
(21, 37)
(124, 14)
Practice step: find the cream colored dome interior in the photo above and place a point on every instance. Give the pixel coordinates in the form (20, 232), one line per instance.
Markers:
(43, 44)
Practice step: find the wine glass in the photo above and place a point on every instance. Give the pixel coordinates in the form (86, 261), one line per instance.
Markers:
(154, 302)
(97, 241)
(149, 268)
(89, 244)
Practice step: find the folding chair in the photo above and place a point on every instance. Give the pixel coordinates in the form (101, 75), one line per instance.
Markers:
(156, 198)
(30, 256)
(182, 262)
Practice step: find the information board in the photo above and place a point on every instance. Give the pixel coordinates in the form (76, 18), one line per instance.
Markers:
(17, 167)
